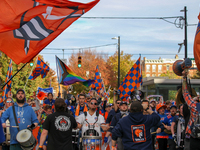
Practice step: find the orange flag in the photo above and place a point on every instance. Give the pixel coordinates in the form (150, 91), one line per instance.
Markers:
(28, 26)
(197, 46)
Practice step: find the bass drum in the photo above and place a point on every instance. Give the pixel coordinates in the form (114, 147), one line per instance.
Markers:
(26, 139)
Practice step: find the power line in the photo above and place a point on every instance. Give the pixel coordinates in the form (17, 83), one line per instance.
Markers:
(80, 47)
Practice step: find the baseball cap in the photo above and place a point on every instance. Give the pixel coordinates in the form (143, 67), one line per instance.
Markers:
(123, 102)
(153, 100)
(173, 106)
(20, 90)
(160, 105)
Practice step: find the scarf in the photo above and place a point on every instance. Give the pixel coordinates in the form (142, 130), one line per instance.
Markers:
(78, 110)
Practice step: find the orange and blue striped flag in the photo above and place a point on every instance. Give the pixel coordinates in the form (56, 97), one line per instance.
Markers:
(40, 69)
(132, 81)
(7, 87)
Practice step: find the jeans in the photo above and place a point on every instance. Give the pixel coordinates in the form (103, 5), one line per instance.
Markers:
(15, 147)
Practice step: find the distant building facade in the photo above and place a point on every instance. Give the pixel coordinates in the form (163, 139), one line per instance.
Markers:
(155, 67)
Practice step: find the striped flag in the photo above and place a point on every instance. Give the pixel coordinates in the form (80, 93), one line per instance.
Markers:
(7, 87)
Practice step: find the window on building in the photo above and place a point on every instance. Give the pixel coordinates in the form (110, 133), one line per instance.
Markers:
(154, 68)
(153, 75)
(147, 75)
(159, 68)
(147, 68)
(167, 67)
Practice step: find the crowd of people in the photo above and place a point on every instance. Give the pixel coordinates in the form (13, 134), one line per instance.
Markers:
(89, 122)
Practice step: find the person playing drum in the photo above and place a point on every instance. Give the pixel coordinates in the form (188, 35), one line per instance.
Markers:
(25, 116)
(91, 121)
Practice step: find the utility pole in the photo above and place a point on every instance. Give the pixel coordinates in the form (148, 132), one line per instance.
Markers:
(185, 29)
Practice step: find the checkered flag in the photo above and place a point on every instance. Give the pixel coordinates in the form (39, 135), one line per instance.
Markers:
(131, 81)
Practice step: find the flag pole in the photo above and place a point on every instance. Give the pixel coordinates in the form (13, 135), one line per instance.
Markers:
(140, 70)
(14, 74)
(57, 74)
(8, 76)
(30, 73)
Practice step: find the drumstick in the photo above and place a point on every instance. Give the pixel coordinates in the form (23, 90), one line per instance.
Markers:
(13, 126)
(153, 132)
(107, 126)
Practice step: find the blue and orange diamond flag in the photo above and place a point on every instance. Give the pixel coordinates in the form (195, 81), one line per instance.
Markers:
(98, 84)
(132, 81)
(28, 26)
(197, 45)
(7, 87)
(41, 69)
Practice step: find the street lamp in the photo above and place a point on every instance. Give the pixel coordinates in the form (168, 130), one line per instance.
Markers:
(118, 58)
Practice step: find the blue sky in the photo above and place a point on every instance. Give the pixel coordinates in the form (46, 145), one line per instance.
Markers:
(136, 36)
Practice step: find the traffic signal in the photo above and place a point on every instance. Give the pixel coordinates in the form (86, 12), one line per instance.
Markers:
(31, 63)
(79, 61)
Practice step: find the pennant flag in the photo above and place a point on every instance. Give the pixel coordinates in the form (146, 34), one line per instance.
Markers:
(97, 85)
(67, 77)
(42, 92)
(197, 45)
(131, 81)
(41, 69)
(28, 26)
(7, 87)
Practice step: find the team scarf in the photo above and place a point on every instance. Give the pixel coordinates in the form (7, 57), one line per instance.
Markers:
(78, 110)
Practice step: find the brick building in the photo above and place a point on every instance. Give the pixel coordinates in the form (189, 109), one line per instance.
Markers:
(155, 67)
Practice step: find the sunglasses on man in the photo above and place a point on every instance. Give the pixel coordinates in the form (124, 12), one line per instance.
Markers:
(93, 103)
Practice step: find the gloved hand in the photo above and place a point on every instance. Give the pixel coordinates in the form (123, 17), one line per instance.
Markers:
(174, 137)
(105, 139)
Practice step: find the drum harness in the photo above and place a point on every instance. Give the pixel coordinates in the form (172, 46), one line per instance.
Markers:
(91, 131)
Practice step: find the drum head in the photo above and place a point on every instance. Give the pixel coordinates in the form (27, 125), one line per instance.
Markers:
(23, 135)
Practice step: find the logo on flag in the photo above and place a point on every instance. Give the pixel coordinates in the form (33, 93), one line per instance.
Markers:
(42, 93)
(33, 24)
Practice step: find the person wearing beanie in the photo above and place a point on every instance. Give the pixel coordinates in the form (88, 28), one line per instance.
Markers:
(24, 114)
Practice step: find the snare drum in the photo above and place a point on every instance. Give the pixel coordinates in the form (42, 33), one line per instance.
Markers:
(91, 142)
(26, 139)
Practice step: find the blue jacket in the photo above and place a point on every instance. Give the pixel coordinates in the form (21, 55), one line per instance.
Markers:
(111, 114)
(25, 116)
(47, 101)
(2, 136)
(162, 134)
(115, 120)
(134, 130)
(168, 121)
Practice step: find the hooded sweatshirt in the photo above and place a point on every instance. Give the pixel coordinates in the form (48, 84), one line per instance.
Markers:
(25, 116)
(134, 130)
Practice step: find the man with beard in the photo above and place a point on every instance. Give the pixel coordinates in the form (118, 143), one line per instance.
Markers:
(123, 112)
(25, 117)
(168, 104)
(167, 124)
(91, 121)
